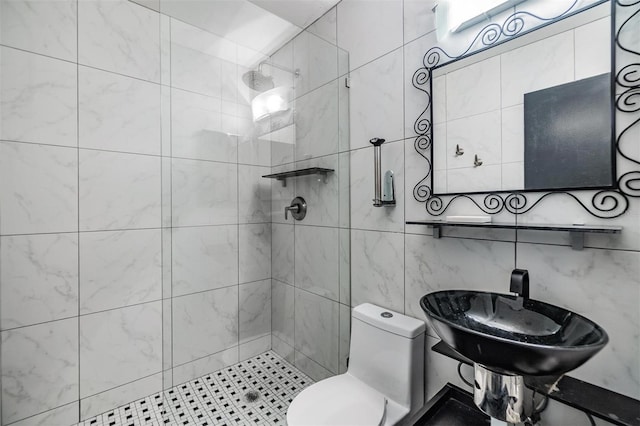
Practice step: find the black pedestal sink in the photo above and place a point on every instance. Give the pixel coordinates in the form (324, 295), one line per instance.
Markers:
(513, 334)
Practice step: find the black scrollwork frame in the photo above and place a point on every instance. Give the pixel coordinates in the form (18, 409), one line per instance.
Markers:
(606, 203)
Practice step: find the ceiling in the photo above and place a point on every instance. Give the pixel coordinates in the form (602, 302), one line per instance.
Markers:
(260, 25)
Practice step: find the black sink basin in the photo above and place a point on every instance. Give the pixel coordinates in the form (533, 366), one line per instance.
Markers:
(513, 334)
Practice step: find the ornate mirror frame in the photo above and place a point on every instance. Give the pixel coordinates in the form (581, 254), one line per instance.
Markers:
(607, 203)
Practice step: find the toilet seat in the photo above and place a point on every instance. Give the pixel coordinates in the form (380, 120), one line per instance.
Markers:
(339, 400)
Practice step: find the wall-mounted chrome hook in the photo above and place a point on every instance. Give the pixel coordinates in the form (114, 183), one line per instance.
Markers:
(459, 151)
(476, 161)
(388, 198)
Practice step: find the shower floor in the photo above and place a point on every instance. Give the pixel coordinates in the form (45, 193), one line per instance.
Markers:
(224, 397)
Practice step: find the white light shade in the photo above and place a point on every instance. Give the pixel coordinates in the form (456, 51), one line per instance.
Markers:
(271, 102)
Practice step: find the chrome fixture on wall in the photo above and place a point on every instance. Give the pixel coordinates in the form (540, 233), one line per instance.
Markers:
(385, 191)
(258, 81)
(298, 209)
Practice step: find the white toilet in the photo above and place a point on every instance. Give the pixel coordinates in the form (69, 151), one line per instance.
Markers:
(384, 381)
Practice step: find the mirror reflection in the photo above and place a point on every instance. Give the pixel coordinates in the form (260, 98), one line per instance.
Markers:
(533, 113)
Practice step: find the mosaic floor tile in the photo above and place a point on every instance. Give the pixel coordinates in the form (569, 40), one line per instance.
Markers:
(256, 391)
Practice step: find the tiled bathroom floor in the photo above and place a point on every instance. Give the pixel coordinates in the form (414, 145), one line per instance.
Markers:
(218, 398)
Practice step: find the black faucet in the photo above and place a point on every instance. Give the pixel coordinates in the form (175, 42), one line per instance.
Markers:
(520, 283)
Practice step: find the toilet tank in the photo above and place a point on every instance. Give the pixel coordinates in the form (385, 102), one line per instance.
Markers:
(387, 353)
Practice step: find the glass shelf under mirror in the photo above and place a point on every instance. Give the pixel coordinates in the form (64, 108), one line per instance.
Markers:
(576, 232)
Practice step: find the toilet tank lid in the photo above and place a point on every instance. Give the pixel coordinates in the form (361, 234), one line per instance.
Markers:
(396, 323)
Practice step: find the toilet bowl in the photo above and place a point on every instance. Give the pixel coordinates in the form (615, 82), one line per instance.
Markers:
(384, 382)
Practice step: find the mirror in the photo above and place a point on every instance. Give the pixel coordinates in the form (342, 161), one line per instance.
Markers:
(531, 114)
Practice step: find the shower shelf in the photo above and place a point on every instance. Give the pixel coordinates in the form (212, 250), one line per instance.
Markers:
(282, 176)
(576, 232)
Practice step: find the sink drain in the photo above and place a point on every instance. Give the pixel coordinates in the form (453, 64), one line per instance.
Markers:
(251, 396)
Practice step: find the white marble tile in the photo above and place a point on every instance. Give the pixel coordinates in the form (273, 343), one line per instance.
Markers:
(415, 100)
(167, 341)
(368, 29)
(345, 266)
(121, 395)
(548, 62)
(475, 88)
(204, 323)
(254, 248)
(196, 71)
(38, 188)
(282, 349)
(513, 134)
(198, 40)
(165, 183)
(282, 252)
(440, 370)
(204, 193)
(119, 191)
(344, 189)
(204, 258)
(38, 99)
(254, 194)
(326, 26)
(512, 176)
(46, 27)
(483, 178)
(376, 101)
(316, 260)
(603, 286)
(345, 338)
(39, 368)
(441, 151)
(310, 367)
(344, 129)
(593, 49)
(255, 310)
(282, 311)
(119, 36)
(363, 214)
(454, 263)
(317, 329)
(202, 62)
(281, 195)
(196, 129)
(377, 264)
(165, 120)
(119, 268)
(62, 415)
(477, 135)
(322, 196)
(317, 60)
(439, 98)
(419, 18)
(118, 113)
(257, 151)
(119, 346)
(194, 369)
(39, 275)
(165, 49)
(316, 123)
(254, 347)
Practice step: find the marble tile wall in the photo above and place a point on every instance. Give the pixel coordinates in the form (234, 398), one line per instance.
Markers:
(393, 264)
(135, 227)
(310, 258)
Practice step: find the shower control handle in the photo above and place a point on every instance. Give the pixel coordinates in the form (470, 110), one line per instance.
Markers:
(298, 209)
(288, 209)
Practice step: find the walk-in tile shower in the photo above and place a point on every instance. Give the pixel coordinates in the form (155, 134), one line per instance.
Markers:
(142, 253)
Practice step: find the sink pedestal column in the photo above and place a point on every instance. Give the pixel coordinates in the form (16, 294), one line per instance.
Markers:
(499, 395)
